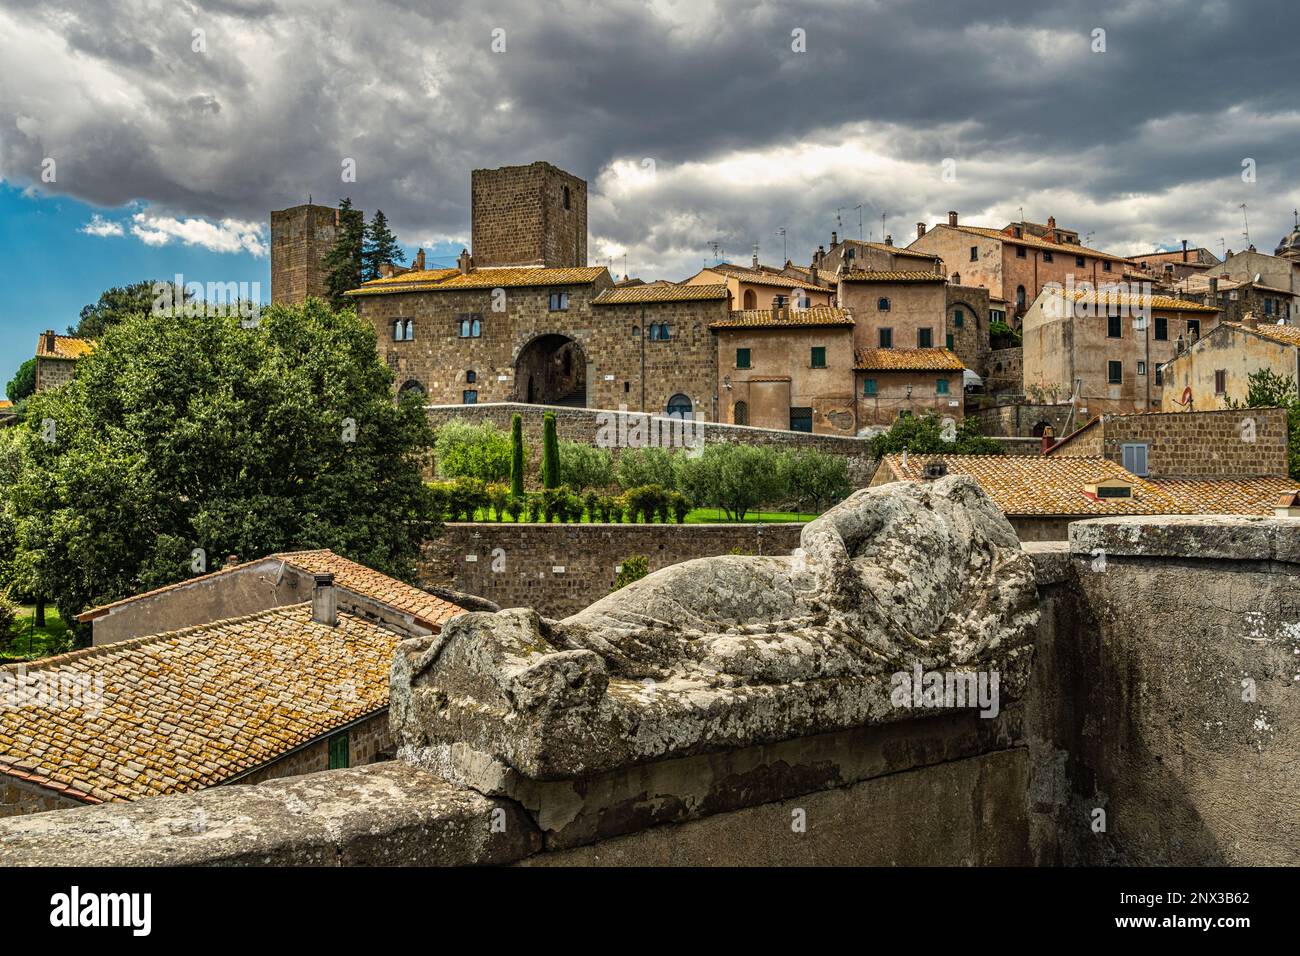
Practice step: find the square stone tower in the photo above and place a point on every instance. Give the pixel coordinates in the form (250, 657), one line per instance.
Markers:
(534, 215)
(300, 238)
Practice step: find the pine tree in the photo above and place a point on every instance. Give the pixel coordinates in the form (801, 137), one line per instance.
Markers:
(550, 452)
(517, 456)
(381, 246)
(343, 262)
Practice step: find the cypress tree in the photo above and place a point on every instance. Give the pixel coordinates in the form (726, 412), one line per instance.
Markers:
(517, 456)
(380, 246)
(550, 452)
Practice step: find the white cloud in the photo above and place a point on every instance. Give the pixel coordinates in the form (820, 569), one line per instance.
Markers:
(228, 235)
(99, 226)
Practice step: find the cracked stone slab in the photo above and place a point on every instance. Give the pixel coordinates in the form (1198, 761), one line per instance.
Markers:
(383, 814)
(729, 651)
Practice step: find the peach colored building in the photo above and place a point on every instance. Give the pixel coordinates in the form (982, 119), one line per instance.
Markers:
(1013, 263)
(1217, 369)
(784, 368)
(905, 310)
(893, 383)
(757, 288)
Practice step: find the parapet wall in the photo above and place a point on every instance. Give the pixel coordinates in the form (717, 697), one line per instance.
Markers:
(561, 568)
(1160, 726)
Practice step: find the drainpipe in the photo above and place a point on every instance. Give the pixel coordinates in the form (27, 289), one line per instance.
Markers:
(643, 335)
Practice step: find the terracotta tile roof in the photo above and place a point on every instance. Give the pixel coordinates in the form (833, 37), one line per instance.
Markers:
(1034, 486)
(1283, 334)
(818, 315)
(438, 280)
(5, 404)
(920, 360)
(1100, 298)
(756, 278)
(660, 293)
(1032, 242)
(188, 709)
(870, 275)
(65, 347)
(348, 575)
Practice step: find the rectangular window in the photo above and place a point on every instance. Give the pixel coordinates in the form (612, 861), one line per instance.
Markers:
(941, 386)
(801, 419)
(338, 745)
(1047, 256)
(1020, 252)
(1115, 373)
(559, 301)
(959, 318)
(1135, 458)
(1193, 329)
(780, 301)
(1268, 306)
(974, 253)
(742, 358)
(948, 340)
(819, 356)
(1160, 375)
(1114, 327)
(1078, 261)
(469, 325)
(868, 386)
(1162, 329)
(924, 339)
(1142, 368)
(469, 397)
(886, 338)
(1105, 266)
(1220, 381)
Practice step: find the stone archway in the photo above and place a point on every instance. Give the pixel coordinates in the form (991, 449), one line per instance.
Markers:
(551, 370)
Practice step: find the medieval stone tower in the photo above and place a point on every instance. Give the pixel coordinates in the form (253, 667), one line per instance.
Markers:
(300, 238)
(534, 215)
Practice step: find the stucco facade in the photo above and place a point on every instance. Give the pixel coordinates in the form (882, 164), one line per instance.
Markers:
(903, 310)
(1217, 369)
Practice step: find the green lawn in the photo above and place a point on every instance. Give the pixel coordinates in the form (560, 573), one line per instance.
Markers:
(695, 516)
(31, 642)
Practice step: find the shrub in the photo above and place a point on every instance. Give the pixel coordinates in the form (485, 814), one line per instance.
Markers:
(735, 478)
(681, 506)
(585, 466)
(498, 495)
(462, 450)
(632, 569)
(534, 504)
(517, 459)
(616, 506)
(592, 501)
(515, 507)
(550, 453)
(814, 480)
(572, 506)
(464, 497)
(8, 618)
(923, 434)
(646, 466)
(646, 502)
(559, 503)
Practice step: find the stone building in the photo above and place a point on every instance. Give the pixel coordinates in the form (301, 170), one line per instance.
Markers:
(756, 288)
(787, 368)
(1276, 272)
(967, 318)
(892, 383)
(1013, 263)
(534, 215)
(1217, 368)
(56, 358)
(301, 237)
(905, 310)
(1237, 299)
(1167, 267)
(855, 254)
(1104, 352)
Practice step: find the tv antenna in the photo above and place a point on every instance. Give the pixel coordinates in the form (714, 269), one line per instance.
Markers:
(716, 246)
(1245, 223)
(781, 232)
(839, 219)
(858, 207)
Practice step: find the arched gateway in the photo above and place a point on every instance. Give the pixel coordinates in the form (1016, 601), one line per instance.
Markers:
(551, 370)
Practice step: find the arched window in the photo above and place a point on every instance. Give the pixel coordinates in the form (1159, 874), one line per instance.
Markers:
(409, 330)
(751, 299)
(411, 387)
(1020, 297)
(679, 406)
(471, 376)
(397, 331)
(740, 414)
(882, 304)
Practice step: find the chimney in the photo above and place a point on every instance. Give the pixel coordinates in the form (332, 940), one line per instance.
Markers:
(325, 601)
(1048, 440)
(49, 341)
(386, 269)
(1250, 320)
(952, 217)
(464, 262)
(1051, 222)
(813, 273)
(920, 229)
(835, 240)
(418, 264)
(821, 254)
(1214, 288)
(889, 240)
(1184, 250)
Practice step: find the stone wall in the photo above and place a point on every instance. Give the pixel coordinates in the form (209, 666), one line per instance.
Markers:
(369, 740)
(18, 797)
(1006, 371)
(1022, 419)
(561, 568)
(52, 372)
(584, 424)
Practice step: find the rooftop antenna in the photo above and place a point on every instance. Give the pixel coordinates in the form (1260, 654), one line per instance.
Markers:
(1022, 215)
(625, 265)
(1087, 239)
(781, 232)
(858, 207)
(1245, 225)
(1223, 248)
(716, 246)
(839, 219)
(882, 227)
(756, 253)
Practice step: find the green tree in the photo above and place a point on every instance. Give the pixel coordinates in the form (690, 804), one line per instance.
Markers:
(180, 434)
(925, 434)
(584, 466)
(517, 459)
(550, 452)
(646, 466)
(23, 383)
(380, 246)
(735, 478)
(343, 263)
(472, 451)
(120, 303)
(1267, 389)
(814, 480)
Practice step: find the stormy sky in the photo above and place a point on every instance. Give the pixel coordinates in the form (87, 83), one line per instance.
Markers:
(693, 121)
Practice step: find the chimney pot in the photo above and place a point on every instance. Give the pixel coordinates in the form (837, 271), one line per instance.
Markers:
(889, 240)
(465, 262)
(952, 217)
(49, 340)
(325, 601)
(1184, 250)
(835, 240)
(1051, 222)
(418, 264)
(920, 229)
(756, 262)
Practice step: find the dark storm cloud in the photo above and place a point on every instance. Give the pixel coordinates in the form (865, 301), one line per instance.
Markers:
(1116, 142)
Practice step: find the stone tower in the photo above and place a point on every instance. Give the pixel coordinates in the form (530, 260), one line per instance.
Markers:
(534, 215)
(300, 238)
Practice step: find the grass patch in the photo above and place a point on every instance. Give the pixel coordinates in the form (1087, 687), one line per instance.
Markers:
(30, 642)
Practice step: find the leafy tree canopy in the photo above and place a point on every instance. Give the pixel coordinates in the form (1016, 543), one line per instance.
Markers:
(924, 434)
(23, 383)
(184, 433)
(115, 305)
(343, 263)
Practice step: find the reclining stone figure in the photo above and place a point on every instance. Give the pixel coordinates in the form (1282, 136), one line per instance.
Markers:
(729, 651)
